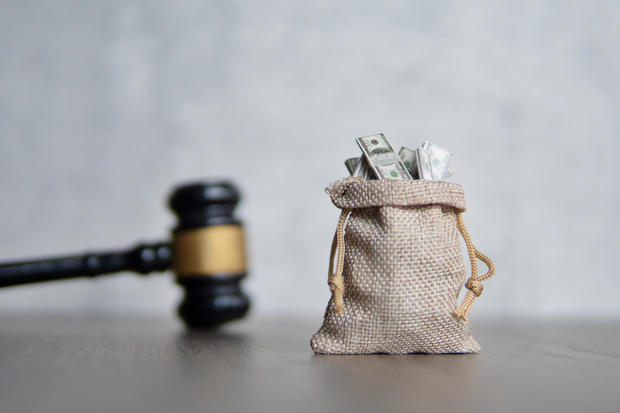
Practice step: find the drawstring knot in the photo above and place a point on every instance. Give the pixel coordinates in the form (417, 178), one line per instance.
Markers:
(475, 286)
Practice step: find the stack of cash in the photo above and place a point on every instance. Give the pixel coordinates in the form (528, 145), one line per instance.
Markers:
(379, 161)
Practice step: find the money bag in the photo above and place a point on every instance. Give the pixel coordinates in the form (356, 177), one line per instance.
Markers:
(399, 270)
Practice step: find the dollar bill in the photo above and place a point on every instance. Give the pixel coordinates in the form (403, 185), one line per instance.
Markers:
(424, 168)
(352, 165)
(409, 157)
(359, 167)
(365, 170)
(381, 158)
(440, 160)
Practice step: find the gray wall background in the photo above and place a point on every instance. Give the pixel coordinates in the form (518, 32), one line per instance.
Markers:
(105, 105)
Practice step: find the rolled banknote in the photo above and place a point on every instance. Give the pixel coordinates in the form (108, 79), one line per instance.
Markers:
(409, 157)
(359, 167)
(439, 159)
(424, 164)
(364, 171)
(352, 165)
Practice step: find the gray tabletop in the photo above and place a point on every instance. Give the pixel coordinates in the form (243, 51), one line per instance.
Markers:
(78, 364)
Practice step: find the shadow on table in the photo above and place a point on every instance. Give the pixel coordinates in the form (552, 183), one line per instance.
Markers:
(429, 380)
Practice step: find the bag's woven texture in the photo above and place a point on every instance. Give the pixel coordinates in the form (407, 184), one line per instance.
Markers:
(403, 270)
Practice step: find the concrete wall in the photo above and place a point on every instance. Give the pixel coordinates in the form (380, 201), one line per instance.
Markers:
(105, 105)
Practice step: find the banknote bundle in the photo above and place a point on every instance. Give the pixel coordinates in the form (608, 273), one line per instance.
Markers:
(428, 161)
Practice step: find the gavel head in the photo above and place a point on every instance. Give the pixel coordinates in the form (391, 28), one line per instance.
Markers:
(208, 253)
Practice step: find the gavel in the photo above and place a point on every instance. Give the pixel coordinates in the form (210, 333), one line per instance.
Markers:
(207, 254)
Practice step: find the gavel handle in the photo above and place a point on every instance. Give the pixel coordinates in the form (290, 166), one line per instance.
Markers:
(142, 259)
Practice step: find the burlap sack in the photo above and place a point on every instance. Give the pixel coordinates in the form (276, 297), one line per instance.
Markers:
(399, 270)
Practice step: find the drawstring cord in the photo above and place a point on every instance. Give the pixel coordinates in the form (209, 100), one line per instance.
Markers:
(335, 280)
(474, 283)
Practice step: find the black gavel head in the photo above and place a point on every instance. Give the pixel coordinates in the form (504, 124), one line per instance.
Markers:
(209, 256)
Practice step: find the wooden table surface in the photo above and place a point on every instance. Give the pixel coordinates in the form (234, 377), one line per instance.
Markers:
(93, 364)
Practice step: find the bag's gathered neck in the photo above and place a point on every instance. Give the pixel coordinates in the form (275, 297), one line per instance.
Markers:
(474, 283)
